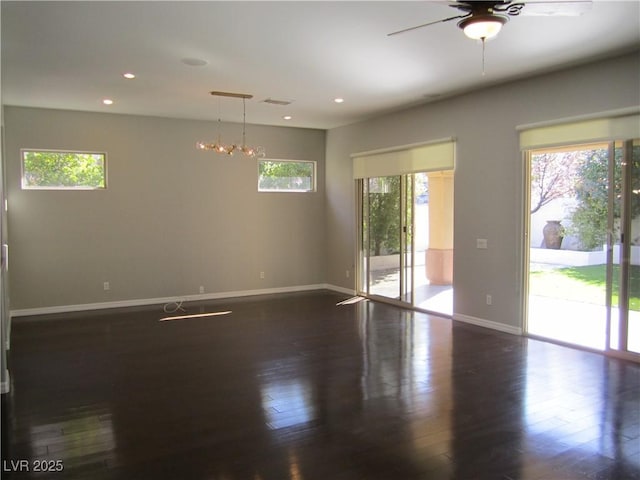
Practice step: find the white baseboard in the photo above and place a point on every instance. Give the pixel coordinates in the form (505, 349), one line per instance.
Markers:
(335, 288)
(25, 312)
(481, 322)
(5, 386)
(221, 295)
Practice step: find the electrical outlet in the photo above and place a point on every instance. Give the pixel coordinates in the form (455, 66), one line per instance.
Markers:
(262, 275)
(347, 273)
(481, 243)
(106, 286)
(201, 289)
(489, 300)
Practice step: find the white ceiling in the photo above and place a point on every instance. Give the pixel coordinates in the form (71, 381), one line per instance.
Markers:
(71, 55)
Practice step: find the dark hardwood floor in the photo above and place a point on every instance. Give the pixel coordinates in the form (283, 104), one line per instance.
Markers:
(293, 387)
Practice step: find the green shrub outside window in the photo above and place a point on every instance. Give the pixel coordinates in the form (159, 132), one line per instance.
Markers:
(57, 170)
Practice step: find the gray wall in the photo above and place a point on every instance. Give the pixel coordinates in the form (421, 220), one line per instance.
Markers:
(488, 174)
(172, 218)
(5, 317)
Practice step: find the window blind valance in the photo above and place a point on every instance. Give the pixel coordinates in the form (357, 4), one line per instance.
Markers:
(582, 131)
(435, 156)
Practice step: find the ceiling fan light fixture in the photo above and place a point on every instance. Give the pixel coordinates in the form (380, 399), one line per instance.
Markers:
(482, 27)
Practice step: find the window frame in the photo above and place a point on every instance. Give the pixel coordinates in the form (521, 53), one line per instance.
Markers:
(62, 188)
(314, 175)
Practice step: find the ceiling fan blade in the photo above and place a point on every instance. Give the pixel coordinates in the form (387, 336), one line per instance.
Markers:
(570, 8)
(426, 25)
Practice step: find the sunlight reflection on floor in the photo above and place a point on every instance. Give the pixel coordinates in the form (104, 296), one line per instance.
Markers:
(578, 323)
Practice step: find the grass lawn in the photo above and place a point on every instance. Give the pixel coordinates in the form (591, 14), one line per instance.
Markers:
(584, 284)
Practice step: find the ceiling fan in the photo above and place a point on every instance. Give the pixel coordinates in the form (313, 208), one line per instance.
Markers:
(482, 20)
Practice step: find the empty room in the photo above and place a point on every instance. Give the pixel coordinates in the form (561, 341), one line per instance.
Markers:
(300, 240)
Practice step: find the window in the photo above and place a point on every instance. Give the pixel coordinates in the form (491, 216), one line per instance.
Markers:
(58, 170)
(286, 176)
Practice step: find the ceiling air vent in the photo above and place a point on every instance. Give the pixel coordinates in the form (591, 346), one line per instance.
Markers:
(273, 101)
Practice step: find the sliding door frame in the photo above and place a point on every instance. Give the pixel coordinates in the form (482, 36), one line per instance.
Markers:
(406, 230)
(621, 350)
(625, 246)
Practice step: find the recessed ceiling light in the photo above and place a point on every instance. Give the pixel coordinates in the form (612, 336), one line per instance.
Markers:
(129, 75)
(194, 62)
(107, 101)
(338, 100)
(287, 117)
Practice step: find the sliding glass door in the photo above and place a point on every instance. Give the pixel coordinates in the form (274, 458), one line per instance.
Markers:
(584, 246)
(406, 239)
(386, 237)
(625, 315)
(405, 225)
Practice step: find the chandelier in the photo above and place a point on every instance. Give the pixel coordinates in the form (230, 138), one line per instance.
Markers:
(229, 149)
